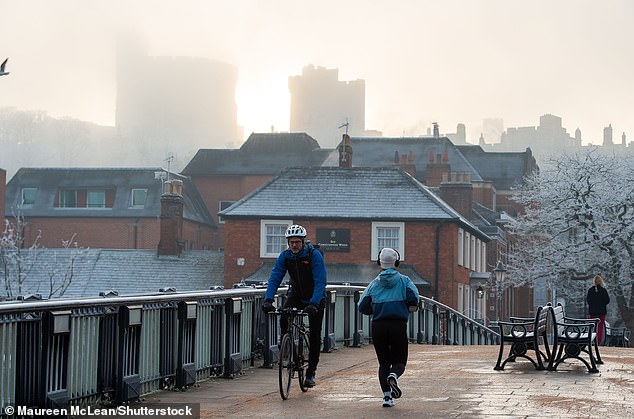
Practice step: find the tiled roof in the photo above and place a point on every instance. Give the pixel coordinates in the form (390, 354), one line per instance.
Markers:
(380, 152)
(332, 192)
(49, 180)
(504, 169)
(261, 154)
(127, 271)
(340, 273)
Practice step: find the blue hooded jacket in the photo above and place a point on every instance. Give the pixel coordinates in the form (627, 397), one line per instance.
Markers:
(388, 296)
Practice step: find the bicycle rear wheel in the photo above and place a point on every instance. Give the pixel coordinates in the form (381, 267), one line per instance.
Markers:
(286, 365)
(302, 361)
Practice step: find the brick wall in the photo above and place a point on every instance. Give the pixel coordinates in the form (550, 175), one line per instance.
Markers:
(242, 240)
(225, 188)
(111, 233)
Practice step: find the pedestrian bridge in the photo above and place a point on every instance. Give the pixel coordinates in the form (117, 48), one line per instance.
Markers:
(113, 350)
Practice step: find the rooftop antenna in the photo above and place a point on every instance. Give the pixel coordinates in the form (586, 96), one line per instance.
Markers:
(347, 124)
(170, 157)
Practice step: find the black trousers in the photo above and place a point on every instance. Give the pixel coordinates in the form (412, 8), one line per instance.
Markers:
(390, 344)
(314, 322)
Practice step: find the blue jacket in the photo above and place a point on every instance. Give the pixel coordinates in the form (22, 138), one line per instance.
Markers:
(308, 276)
(388, 296)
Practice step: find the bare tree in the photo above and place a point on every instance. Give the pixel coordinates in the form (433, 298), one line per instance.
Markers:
(579, 221)
(15, 260)
(19, 264)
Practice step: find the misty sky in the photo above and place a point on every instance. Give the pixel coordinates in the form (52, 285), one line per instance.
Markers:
(450, 61)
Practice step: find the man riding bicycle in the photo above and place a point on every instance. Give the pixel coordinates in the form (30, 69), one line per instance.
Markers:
(306, 291)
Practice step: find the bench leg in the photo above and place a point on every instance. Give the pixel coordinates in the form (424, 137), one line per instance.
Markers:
(498, 366)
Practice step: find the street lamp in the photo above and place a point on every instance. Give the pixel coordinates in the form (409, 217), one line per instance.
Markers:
(480, 292)
(500, 275)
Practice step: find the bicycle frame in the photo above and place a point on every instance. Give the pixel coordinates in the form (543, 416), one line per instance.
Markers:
(294, 348)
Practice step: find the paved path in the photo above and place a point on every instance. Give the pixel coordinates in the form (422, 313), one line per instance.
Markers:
(440, 382)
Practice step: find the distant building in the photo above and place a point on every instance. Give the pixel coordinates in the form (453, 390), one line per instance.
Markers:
(547, 138)
(173, 104)
(321, 104)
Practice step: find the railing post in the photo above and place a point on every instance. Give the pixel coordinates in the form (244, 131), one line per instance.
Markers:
(357, 338)
(233, 356)
(435, 339)
(420, 333)
(329, 319)
(55, 358)
(186, 367)
(271, 350)
(128, 379)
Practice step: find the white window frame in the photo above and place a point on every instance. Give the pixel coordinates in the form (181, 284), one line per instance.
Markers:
(484, 257)
(467, 253)
(460, 247)
(472, 261)
(263, 237)
(23, 204)
(132, 202)
(102, 204)
(222, 205)
(62, 198)
(376, 225)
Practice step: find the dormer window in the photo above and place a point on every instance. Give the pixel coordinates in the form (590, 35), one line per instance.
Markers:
(28, 197)
(138, 198)
(96, 199)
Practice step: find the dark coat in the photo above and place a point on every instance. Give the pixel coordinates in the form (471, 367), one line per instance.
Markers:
(597, 299)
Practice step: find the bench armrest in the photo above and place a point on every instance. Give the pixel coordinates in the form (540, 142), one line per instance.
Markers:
(575, 330)
(516, 330)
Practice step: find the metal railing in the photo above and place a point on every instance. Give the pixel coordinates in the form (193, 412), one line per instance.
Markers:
(114, 349)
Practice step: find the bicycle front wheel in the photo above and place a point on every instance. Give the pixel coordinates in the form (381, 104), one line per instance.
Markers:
(302, 361)
(286, 365)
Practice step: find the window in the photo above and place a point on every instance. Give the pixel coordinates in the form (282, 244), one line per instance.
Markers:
(96, 199)
(467, 242)
(388, 234)
(460, 247)
(223, 205)
(138, 197)
(68, 198)
(28, 197)
(272, 240)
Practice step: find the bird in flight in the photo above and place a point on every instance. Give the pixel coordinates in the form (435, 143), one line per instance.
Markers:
(2, 72)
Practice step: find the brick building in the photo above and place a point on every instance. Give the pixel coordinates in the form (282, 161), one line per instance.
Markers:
(352, 213)
(109, 208)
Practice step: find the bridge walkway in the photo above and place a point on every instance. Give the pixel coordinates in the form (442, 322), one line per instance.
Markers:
(440, 382)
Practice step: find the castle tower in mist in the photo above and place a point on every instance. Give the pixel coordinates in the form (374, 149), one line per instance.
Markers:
(320, 103)
(173, 105)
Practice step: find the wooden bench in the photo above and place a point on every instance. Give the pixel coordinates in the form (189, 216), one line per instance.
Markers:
(572, 338)
(524, 335)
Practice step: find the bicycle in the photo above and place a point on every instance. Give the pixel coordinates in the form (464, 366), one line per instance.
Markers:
(294, 348)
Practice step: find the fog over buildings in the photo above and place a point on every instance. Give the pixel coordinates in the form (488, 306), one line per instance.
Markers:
(165, 78)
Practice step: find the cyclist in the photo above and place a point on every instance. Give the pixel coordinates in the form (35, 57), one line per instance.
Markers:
(389, 299)
(306, 291)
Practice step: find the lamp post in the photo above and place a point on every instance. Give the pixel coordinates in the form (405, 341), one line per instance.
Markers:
(500, 275)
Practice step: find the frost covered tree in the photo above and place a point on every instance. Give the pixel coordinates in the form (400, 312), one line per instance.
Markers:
(26, 270)
(578, 222)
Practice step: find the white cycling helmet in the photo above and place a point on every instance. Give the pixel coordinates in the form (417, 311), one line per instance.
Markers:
(295, 231)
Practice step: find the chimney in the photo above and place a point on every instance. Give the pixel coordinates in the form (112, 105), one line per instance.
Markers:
(3, 195)
(170, 242)
(436, 169)
(345, 152)
(457, 191)
(407, 163)
(436, 130)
